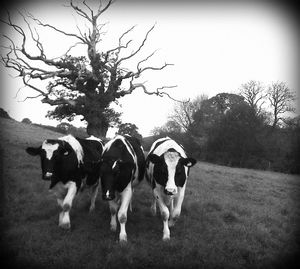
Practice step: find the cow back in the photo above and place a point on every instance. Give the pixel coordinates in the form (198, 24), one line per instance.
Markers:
(139, 151)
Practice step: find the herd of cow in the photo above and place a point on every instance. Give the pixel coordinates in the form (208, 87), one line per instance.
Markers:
(72, 164)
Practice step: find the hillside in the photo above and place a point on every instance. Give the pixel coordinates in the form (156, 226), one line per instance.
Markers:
(231, 218)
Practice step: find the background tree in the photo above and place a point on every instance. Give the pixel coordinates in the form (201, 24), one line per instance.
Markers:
(170, 127)
(79, 85)
(129, 129)
(4, 114)
(27, 121)
(225, 127)
(254, 94)
(64, 127)
(183, 112)
(281, 98)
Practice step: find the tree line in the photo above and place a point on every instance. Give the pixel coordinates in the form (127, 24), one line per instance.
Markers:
(249, 129)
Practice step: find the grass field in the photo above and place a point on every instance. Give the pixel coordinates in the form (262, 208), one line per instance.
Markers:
(231, 218)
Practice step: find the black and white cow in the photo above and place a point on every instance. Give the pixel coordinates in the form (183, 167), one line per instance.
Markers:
(69, 164)
(167, 169)
(122, 168)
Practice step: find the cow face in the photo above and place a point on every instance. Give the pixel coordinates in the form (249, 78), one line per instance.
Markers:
(115, 176)
(170, 170)
(52, 153)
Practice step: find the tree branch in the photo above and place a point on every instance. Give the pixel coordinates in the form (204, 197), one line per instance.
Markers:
(55, 29)
(139, 48)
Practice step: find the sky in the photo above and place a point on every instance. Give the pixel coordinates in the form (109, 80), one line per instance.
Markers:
(214, 46)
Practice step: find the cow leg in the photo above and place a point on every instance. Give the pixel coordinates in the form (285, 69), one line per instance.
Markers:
(164, 211)
(60, 202)
(59, 192)
(113, 207)
(64, 217)
(94, 194)
(171, 220)
(153, 207)
(130, 203)
(126, 196)
(175, 213)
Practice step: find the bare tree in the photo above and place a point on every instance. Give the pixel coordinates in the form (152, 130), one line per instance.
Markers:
(84, 85)
(254, 94)
(281, 98)
(183, 111)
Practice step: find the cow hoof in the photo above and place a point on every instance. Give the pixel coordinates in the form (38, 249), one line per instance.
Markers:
(153, 211)
(166, 238)
(123, 239)
(113, 228)
(171, 223)
(65, 226)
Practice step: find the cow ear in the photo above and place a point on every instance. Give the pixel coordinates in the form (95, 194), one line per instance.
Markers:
(33, 151)
(154, 158)
(189, 162)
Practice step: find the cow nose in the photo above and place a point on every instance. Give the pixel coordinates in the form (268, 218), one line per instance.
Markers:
(48, 175)
(170, 191)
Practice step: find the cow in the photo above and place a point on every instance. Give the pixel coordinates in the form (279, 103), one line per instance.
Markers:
(70, 164)
(167, 170)
(122, 168)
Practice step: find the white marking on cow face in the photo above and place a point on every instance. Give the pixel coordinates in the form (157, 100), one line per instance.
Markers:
(114, 165)
(171, 159)
(49, 149)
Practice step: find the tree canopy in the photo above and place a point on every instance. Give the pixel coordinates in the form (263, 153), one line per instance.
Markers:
(79, 85)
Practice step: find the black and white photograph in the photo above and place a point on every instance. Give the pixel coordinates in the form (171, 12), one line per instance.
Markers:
(149, 134)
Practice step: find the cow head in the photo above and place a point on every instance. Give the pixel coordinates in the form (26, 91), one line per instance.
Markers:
(170, 170)
(115, 176)
(52, 153)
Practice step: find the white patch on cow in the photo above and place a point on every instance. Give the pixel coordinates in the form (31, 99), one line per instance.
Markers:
(65, 194)
(126, 196)
(171, 159)
(49, 149)
(75, 145)
(72, 189)
(165, 146)
(114, 164)
(164, 211)
(94, 138)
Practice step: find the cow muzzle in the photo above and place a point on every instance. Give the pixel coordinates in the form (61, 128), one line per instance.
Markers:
(47, 176)
(170, 191)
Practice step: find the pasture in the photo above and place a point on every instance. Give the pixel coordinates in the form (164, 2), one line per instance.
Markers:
(231, 218)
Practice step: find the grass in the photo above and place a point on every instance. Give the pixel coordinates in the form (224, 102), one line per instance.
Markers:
(231, 218)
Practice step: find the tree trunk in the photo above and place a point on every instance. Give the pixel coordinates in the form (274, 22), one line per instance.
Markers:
(98, 129)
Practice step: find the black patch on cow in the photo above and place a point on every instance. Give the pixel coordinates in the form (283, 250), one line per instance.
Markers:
(64, 163)
(136, 145)
(118, 166)
(92, 153)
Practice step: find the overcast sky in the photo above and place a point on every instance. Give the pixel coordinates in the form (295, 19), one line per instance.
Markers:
(214, 46)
